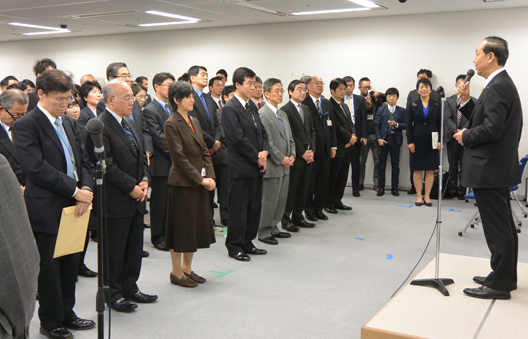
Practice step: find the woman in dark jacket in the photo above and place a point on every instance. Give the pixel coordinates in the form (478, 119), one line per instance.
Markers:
(423, 121)
(189, 219)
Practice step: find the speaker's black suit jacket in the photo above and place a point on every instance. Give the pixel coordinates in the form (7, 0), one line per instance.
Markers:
(325, 136)
(343, 126)
(155, 117)
(7, 149)
(303, 132)
(208, 125)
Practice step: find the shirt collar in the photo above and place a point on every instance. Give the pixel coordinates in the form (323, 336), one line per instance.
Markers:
(117, 117)
(162, 103)
(351, 96)
(242, 101)
(6, 128)
(198, 91)
(314, 99)
(295, 103)
(273, 109)
(492, 75)
(50, 117)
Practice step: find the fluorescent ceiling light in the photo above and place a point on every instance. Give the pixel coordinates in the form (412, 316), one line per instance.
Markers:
(365, 3)
(50, 32)
(330, 11)
(170, 15)
(169, 23)
(35, 26)
(258, 8)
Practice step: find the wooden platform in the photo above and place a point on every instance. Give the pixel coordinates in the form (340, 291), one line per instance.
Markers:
(422, 312)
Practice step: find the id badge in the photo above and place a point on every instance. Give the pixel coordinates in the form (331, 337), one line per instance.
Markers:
(370, 117)
(203, 172)
(329, 122)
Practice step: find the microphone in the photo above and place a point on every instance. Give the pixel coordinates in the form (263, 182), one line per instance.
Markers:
(440, 90)
(95, 128)
(470, 73)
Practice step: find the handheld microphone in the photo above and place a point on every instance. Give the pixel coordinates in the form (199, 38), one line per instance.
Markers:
(95, 128)
(440, 90)
(470, 73)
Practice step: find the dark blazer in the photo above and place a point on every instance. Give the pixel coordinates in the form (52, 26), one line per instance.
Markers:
(33, 100)
(142, 128)
(450, 117)
(325, 136)
(360, 116)
(382, 123)
(208, 125)
(125, 168)
(148, 99)
(491, 158)
(85, 116)
(155, 117)
(221, 154)
(188, 152)
(344, 127)
(418, 125)
(303, 133)
(244, 140)
(41, 156)
(7, 149)
(413, 96)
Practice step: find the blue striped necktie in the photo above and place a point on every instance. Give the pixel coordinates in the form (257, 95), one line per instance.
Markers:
(68, 152)
(130, 136)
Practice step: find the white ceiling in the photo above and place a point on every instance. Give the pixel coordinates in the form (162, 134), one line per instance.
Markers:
(101, 17)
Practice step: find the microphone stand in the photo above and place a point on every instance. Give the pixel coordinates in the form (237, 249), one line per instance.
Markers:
(103, 294)
(438, 283)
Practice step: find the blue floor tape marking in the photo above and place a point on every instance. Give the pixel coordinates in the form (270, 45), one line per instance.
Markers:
(406, 206)
(389, 256)
(454, 210)
(361, 239)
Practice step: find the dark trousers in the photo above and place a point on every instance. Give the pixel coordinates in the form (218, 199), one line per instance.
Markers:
(501, 236)
(297, 189)
(82, 255)
(222, 188)
(355, 152)
(316, 196)
(392, 148)
(245, 201)
(455, 152)
(158, 209)
(337, 180)
(125, 249)
(56, 283)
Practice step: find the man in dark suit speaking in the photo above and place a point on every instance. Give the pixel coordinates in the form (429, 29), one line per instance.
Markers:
(491, 163)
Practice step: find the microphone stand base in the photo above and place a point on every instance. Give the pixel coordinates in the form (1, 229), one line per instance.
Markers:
(440, 284)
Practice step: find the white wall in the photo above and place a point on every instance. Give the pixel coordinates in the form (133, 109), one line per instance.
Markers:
(389, 50)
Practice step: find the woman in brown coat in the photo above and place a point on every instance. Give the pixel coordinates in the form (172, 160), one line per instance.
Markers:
(189, 219)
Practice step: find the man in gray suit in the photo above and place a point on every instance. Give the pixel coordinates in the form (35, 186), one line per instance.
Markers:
(282, 157)
(19, 258)
(454, 121)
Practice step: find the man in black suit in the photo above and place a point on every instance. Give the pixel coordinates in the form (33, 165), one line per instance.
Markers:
(155, 115)
(216, 86)
(455, 121)
(247, 150)
(325, 147)
(40, 67)
(13, 106)
(303, 132)
(127, 181)
(491, 163)
(390, 121)
(358, 110)
(204, 110)
(58, 175)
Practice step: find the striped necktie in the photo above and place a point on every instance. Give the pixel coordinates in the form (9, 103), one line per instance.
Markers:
(68, 152)
(129, 135)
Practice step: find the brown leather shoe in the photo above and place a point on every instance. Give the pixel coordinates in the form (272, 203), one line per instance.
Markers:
(185, 281)
(195, 277)
(361, 187)
(376, 188)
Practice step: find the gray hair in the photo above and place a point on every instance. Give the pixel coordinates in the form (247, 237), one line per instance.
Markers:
(11, 96)
(306, 79)
(109, 90)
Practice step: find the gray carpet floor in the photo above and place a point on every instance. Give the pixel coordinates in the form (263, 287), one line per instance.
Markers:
(324, 282)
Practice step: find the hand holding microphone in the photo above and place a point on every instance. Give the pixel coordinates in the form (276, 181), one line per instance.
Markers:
(462, 90)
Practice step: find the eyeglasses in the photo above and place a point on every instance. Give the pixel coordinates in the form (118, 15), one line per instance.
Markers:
(141, 96)
(127, 99)
(60, 102)
(278, 91)
(16, 116)
(302, 90)
(124, 76)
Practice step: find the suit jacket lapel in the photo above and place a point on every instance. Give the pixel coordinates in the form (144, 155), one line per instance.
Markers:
(243, 112)
(4, 140)
(161, 109)
(46, 126)
(275, 120)
(184, 125)
(118, 129)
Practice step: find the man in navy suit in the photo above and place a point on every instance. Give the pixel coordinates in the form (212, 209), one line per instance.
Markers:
(390, 121)
(58, 175)
(491, 163)
(247, 151)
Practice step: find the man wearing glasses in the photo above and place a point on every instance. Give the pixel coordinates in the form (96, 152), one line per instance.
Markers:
(58, 175)
(13, 105)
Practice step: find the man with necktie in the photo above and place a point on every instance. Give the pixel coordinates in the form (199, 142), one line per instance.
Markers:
(58, 175)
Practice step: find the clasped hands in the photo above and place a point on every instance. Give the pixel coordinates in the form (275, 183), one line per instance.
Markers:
(84, 199)
(209, 183)
(287, 161)
(215, 148)
(262, 157)
(140, 191)
(308, 156)
(352, 141)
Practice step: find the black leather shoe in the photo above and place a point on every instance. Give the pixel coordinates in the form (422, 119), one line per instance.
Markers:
(282, 235)
(381, 192)
(290, 227)
(343, 207)
(146, 225)
(311, 216)
(269, 240)
(356, 193)
(145, 254)
(58, 332)
(256, 251)
(321, 215)
(86, 272)
(80, 324)
(418, 203)
(395, 193)
(161, 246)
(122, 305)
(304, 224)
(429, 204)
(330, 210)
(411, 191)
(240, 256)
(143, 298)
(480, 280)
(484, 292)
